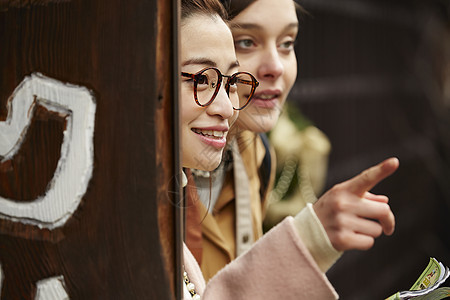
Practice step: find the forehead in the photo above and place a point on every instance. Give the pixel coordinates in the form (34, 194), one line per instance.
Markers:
(268, 13)
(208, 37)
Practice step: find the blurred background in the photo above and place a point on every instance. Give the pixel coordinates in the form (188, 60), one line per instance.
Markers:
(374, 76)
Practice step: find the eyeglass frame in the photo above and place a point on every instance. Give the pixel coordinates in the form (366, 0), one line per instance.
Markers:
(194, 76)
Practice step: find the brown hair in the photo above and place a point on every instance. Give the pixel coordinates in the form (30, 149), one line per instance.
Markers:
(206, 7)
(235, 7)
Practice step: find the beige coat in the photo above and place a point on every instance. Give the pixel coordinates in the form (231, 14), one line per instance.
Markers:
(278, 266)
(213, 240)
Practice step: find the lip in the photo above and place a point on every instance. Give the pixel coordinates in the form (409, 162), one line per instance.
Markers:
(216, 142)
(260, 98)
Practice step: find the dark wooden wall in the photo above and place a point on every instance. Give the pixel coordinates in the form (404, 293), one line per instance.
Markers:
(121, 241)
(374, 76)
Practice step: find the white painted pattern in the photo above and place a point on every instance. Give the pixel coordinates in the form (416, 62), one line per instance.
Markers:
(74, 169)
(46, 289)
(51, 289)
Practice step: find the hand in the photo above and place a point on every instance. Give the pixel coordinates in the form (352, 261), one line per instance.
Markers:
(353, 217)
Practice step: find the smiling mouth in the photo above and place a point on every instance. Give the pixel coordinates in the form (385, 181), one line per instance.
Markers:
(210, 133)
(266, 96)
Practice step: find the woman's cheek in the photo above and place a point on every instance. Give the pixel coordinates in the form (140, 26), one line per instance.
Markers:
(248, 62)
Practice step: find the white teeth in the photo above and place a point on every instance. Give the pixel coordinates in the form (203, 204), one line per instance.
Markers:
(218, 133)
(213, 133)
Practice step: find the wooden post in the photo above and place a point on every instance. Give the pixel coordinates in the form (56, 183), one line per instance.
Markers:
(88, 154)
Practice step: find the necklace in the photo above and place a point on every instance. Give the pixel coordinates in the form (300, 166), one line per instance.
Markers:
(190, 286)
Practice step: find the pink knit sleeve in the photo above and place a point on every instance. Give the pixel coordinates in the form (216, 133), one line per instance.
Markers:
(278, 266)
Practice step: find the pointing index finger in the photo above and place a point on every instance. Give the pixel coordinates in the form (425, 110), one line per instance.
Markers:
(366, 180)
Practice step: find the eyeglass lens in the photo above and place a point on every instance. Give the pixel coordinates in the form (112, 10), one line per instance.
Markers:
(240, 84)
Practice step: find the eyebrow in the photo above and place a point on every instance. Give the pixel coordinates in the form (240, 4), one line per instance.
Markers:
(258, 27)
(207, 62)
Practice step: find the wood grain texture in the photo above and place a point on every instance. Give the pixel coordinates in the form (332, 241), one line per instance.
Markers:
(119, 244)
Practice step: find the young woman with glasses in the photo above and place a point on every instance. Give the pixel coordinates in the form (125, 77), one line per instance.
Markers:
(279, 265)
(346, 217)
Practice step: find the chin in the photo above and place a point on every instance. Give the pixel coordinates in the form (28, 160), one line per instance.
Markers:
(205, 162)
(213, 167)
(259, 124)
(207, 166)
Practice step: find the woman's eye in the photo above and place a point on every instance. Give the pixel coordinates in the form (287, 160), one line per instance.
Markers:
(288, 45)
(202, 79)
(244, 44)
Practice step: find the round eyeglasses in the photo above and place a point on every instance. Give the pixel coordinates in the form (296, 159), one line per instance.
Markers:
(207, 83)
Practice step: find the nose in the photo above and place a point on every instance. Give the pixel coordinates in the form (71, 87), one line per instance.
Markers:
(222, 105)
(271, 66)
